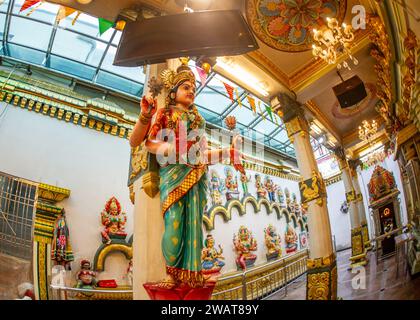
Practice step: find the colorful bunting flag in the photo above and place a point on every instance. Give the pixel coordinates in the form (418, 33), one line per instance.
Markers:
(104, 25)
(229, 90)
(27, 4)
(269, 111)
(275, 120)
(202, 74)
(260, 110)
(63, 12)
(251, 101)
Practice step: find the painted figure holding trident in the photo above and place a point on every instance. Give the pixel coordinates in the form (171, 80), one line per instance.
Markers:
(177, 138)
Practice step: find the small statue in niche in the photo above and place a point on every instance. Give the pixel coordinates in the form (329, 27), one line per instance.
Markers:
(244, 183)
(287, 194)
(244, 244)
(291, 239)
(86, 278)
(114, 221)
(280, 195)
(261, 192)
(295, 205)
(211, 257)
(272, 242)
(304, 211)
(231, 184)
(216, 188)
(344, 208)
(270, 187)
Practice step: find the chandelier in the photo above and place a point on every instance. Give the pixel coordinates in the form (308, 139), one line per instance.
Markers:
(332, 41)
(367, 130)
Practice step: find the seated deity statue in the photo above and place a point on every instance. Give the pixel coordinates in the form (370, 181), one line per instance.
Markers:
(261, 191)
(272, 242)
(86, 278)
(270, 187)
(291, 239)
(231, 185)
(211, 257)
(114, 221)
(244, 244)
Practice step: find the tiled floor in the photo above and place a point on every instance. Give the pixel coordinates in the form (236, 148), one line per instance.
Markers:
(381, 282)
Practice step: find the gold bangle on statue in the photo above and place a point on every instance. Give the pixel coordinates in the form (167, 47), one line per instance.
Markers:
(145, 119)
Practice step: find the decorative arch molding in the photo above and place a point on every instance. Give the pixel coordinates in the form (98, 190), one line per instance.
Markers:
(240, 205)
(105, 249)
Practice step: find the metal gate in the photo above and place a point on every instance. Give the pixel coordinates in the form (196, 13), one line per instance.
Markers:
(17, 210)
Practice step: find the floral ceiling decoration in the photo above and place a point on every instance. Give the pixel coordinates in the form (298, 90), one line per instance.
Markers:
(286, 25)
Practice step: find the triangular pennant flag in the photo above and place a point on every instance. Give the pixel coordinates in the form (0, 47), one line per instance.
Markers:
(238, 98)
(104, 25)
(260, 110)
(270, 113)
(229, 90)
(202, 74)
(63, 12)
(251, 101)
(75, 18)
(27, 4)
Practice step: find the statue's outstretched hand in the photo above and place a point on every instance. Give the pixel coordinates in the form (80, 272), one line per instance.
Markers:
(148, 106)
(237, 156)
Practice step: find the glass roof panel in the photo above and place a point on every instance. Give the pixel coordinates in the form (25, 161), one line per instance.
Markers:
(71, 67)
(243, 115)
(282, 136)
(88, 51)
(25, 54)
(29, 33)
(111, 80)
(135, 74)
(2, 20)
(266, 126)
(85, 24)
(4, 5)
(213, 100)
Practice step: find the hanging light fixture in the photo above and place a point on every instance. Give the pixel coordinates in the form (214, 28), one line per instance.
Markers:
(333, 40)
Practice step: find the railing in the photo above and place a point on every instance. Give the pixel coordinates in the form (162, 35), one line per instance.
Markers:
(257, 283)
(263, 281)
(381, 237)
(68, 293)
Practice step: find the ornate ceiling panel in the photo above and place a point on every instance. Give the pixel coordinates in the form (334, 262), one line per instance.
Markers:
(286, 24)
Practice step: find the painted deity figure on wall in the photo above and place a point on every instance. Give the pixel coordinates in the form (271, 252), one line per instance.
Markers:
(86, 278)
(291, 239)
(61, 251)
(287, 195)
(280, 195)
(261, 191)
(114, 221)
(270, 187)
(244, 183)
(216, 188)
(177, 138)
(244, 244)
(272, 242)
(295, 205)
(231, 184)
(212, 259)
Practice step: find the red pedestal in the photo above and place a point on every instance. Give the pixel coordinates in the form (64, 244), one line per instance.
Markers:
(179, 293)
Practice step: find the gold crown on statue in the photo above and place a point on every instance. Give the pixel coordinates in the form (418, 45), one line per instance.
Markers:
(183, 73)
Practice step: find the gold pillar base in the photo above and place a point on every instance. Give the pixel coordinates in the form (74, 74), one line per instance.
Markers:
(321, 281)
(358, 250)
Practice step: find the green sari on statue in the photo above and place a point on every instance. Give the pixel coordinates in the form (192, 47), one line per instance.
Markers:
(183, 193)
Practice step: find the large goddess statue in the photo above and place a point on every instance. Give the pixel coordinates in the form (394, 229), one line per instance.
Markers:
(177, 138)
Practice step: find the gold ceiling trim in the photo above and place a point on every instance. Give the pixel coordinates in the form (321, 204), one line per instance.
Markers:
(314, 108)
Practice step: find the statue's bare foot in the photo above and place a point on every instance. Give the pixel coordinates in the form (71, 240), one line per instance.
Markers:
(168, 283)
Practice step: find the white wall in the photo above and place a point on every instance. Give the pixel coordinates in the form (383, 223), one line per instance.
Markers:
(93, 165)
(340, 222)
